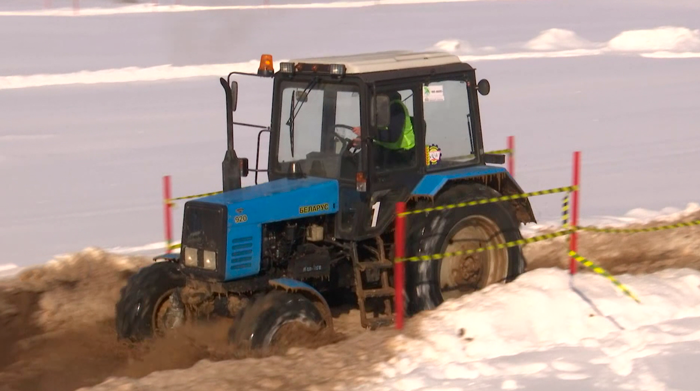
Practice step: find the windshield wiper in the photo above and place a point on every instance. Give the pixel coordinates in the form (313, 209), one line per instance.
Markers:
(290, 123)
(294, 110)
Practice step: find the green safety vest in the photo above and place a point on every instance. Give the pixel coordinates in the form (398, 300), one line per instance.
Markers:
(407, 139)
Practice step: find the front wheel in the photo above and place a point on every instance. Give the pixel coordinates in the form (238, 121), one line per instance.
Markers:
(149, 302)
(277, 320)
(429, 283)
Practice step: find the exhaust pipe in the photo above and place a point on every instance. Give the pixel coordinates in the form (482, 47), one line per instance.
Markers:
(230, 167)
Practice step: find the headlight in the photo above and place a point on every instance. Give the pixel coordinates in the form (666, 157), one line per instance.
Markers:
(209, 260)
(190, 257)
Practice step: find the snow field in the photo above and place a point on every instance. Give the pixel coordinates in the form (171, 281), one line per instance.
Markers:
(662, 42)
(175, 8)
(516, 334)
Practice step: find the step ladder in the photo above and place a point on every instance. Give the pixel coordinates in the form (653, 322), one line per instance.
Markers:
(386, 291)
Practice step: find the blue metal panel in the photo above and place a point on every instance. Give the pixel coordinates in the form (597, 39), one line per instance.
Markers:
(244, 250)
(279, 200)
(432, 183)
(251, 207)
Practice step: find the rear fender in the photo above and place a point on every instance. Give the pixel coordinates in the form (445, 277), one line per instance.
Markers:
(291, 285)
(496, 178)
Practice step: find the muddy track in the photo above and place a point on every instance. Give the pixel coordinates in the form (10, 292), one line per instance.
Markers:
(57, 326)
(57, 329)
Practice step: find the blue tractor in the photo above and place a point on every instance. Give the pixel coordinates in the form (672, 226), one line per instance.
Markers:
(349, 138)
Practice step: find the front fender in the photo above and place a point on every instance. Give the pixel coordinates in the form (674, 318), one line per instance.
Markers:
(292, 285)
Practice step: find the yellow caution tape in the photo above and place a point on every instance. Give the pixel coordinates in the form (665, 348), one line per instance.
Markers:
(565, 211)
(170, 201)
(500, 152)
(599, 270)
(491, 200)
(637, 230)
(514, 243)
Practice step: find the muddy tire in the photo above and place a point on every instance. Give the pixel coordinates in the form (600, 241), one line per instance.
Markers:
(265, 324)
(144, 298)
(429, 283)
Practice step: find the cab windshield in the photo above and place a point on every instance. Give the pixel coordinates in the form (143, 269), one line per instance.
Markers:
(316, 129)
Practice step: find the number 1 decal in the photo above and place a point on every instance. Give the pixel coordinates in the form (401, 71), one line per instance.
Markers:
(375, 213)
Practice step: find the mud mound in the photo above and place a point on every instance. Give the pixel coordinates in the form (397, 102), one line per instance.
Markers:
(645, 252)
(57, 325)
(339, 366)
(57, 328)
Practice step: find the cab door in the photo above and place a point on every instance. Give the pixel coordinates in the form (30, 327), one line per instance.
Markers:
(393, 179)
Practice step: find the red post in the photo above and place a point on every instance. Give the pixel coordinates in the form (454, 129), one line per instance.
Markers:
(167, 212)
(511, 155)
(573, 243)
(47, 3)
(400, 252)
(76, 6)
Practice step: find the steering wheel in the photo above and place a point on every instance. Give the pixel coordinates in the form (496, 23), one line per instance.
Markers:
(347, 142)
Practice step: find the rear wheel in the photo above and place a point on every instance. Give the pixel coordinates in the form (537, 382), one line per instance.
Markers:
(149, 302)
(276, 321)
(429, 283)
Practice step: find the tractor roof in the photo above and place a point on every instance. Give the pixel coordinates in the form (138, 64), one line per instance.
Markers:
(385, 61)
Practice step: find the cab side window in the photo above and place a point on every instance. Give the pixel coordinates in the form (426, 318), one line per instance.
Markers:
(394, 146)
(448, 132)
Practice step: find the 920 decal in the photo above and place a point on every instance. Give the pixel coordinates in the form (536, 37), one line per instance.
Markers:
(240, 219)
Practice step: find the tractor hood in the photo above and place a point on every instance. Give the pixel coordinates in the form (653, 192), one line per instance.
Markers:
(279, 200)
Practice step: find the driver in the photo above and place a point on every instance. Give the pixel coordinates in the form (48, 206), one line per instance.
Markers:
(398, 139)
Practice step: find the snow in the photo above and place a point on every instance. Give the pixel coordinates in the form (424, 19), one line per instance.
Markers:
(9, 270)
(557, 39)
(666, 38)
(170, 8)
(662, 42)
(546, 331)
(670, 42)
(127, 75)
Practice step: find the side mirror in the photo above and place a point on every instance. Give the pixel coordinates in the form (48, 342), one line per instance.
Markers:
(234, 95)
(243, 163)
(381, 111)
(484, 87)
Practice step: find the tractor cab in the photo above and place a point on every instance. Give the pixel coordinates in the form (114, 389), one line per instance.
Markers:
(375, 123)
